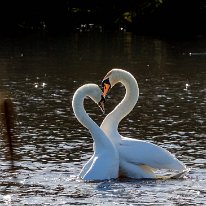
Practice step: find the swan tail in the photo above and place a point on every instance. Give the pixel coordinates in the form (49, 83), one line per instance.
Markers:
(179, 166)
(172, 176)
(172, 163)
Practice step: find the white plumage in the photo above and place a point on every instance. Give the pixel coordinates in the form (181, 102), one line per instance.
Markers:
(104, 163)
(137, 158)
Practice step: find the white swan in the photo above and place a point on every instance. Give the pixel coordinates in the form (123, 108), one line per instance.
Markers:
(104, 164)
(138, 159)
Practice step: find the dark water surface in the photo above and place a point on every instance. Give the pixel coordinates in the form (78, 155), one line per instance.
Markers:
(42, 74)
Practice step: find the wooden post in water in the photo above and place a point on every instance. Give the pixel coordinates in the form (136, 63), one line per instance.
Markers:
(7, 120)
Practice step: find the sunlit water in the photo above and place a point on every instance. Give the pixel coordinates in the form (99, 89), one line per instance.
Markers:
(51, 146)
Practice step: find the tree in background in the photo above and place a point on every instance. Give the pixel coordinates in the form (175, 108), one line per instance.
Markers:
(142, 16)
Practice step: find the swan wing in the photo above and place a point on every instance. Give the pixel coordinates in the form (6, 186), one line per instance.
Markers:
(145, 153)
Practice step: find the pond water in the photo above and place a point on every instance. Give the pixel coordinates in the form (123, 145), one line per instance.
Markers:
(42, 73)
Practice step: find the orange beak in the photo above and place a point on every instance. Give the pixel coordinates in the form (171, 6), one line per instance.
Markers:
(106, 89)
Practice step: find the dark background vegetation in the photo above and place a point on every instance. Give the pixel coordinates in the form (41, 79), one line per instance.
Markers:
(179, 17)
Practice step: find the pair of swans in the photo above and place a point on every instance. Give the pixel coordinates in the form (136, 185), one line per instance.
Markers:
(115, 155)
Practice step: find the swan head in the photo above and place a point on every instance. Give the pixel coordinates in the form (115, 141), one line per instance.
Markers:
(111, 78)
(89, 90)
(95, 93)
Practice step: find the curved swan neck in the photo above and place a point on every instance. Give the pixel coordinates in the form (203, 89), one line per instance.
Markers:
(128, 102)
(79, 111)
(98, 135)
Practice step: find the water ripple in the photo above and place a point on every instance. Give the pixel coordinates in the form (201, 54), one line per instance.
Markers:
(51, 146)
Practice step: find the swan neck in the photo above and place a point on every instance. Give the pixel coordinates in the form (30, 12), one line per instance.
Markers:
(99, 137)
(80, 113)
(112, 120)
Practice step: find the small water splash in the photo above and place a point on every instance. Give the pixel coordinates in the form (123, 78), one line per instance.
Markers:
(187, 86)
(104, 186)
(7, 199)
